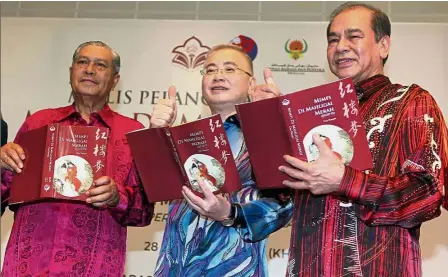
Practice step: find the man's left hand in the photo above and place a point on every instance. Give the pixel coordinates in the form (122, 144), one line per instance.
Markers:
(267, 90)
(322, 176)
(104, 193)
(212, 206)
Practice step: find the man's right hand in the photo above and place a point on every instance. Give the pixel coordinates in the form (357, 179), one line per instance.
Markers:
(12, 156)
(165, 111)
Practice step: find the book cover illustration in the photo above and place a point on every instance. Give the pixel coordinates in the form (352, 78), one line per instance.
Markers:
(207, 168)
(332, 111)
(204, 152)
(62, 161)
(79, 159)
(335, 138)
(73, 176)
(289, 121)
(175, 156)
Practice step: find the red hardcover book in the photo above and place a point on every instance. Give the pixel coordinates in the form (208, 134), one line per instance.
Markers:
(169, 158)
(61, 162)
(285, 126)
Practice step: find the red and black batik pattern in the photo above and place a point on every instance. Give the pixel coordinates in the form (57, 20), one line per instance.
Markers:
(371, 228)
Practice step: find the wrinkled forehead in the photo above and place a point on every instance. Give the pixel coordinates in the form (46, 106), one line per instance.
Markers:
(96, 52)
(226, 56)
(356, 18)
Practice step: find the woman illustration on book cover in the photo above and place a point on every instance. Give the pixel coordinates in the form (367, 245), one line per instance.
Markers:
(207, 168)
(199, 169)
(73, 176)
(72, 171)
(335, 138)
(327, 141)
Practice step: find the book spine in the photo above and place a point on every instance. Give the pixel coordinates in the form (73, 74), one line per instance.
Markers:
(291, 127)
(171, 140)
(51, 146)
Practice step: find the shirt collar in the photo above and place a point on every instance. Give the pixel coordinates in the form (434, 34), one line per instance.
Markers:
(366, 88)
(105, 114)
(232, 120)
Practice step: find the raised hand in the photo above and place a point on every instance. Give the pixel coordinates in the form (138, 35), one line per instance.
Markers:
(165, 111)
(267, 90)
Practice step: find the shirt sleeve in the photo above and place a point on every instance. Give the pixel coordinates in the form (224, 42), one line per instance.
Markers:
(261, 212)
(6, 188)
(133, 208)
(415, 194)
(7, 175)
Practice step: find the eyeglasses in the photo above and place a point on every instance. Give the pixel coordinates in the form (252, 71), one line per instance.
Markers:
(224, 71)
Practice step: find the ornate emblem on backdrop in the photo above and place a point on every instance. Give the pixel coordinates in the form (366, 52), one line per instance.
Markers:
(191, 54)
(296, 48)
(247, 44)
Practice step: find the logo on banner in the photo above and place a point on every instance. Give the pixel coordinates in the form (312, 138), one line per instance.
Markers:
(296, 48)
(247, 44)
(191, 54)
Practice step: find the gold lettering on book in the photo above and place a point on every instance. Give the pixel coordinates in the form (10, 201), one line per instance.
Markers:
(324, 111)
(76, 140)
(293, 131)
(323, 107)
(197, 139)
(79, 145)
(50, 152)
(194, 139)
(322, 99)
(319, 106)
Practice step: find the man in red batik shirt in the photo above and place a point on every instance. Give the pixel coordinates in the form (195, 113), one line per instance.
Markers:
(367, 223)
(62, 238)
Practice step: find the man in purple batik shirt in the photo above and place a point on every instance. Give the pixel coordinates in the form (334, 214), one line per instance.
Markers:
(63, 238)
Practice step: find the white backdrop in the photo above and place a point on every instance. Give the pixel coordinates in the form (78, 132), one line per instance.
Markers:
(36, 54)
